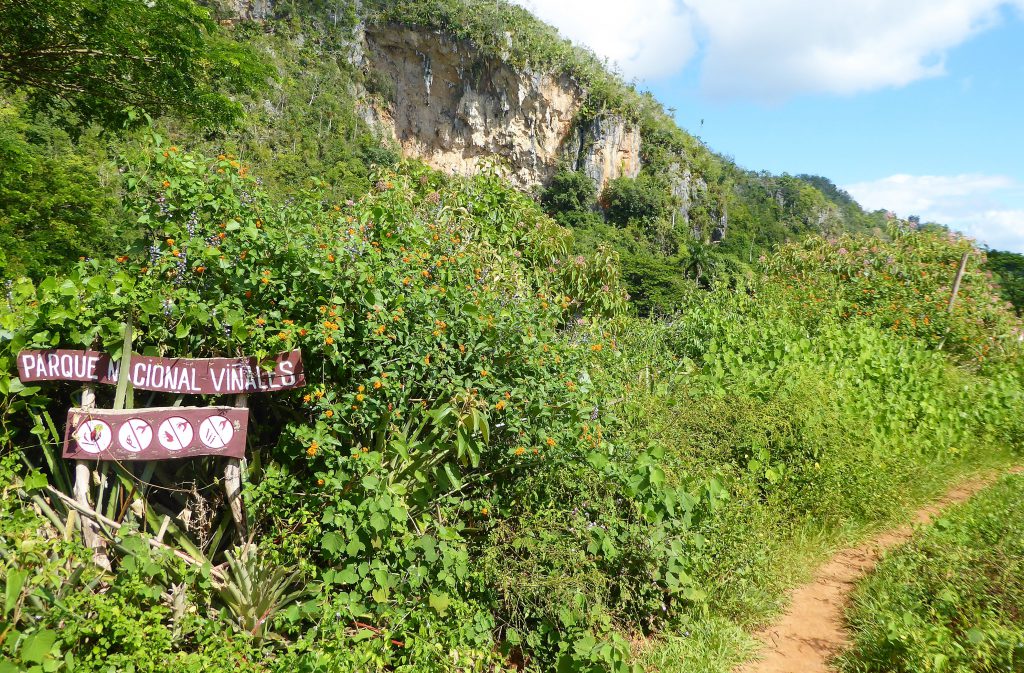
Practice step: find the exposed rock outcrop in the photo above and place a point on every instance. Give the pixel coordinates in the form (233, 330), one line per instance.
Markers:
(605, 148)
(231, 11)
(444, 102)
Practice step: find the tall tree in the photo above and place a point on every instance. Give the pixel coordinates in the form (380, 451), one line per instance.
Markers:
(109, 60)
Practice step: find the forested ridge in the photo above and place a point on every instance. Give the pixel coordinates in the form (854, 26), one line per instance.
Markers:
(562, 429)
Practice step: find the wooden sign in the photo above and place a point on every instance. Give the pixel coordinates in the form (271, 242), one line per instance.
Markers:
(155, 434)
(190, 376)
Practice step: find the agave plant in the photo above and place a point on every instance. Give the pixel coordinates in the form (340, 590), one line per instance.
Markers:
(256, 589)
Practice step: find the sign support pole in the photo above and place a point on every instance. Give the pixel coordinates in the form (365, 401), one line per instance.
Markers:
(956, 282)
(83, 479)
(233, 469)
(83, 471)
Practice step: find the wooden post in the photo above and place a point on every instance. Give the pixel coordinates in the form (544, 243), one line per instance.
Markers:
(233, 470)
(956, 282)
(83, 480)
(83, 468)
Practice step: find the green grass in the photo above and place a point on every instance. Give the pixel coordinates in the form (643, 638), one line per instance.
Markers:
(704, 646)
(951, 599)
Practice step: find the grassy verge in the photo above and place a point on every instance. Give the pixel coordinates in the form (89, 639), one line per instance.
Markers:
(950, 600)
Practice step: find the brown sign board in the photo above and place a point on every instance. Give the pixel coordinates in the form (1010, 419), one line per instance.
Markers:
(190, 376)
(159, 433)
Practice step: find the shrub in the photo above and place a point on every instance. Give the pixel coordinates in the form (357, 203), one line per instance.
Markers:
(641, 200)
(569, 192)
(446, 329)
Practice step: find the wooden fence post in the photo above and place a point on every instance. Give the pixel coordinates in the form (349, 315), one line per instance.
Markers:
(956, 282)
(233, 469)
(83, 468)
(83, 483)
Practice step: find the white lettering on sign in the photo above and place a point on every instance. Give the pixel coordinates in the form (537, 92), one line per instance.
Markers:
(288, 368)
(187, 376)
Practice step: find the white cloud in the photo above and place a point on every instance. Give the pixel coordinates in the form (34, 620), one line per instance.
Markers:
(648, 39)
(773, 49)
(989, 208)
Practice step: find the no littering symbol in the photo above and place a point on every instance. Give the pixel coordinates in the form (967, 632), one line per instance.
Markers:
(175, 433)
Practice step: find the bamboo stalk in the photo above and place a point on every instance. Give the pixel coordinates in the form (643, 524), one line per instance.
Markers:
(956, 282)
(93, 515)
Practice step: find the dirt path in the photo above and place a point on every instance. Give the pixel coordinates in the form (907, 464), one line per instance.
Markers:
(812, 630)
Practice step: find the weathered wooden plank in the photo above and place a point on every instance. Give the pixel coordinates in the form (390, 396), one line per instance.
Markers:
(160, 433)
(190, 376)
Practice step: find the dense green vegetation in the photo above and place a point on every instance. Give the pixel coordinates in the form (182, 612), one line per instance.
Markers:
(56, 203)
(1008, 269)
(949, 600)
(110, 63)
(487, 436)
(500, 460)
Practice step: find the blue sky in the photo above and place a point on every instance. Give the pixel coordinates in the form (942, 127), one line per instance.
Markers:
(914, 106)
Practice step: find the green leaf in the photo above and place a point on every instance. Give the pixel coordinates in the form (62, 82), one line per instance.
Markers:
(429, 546)
(440, 603)
(38, 646)
(353, 547)
(346, 576)
(35, 480)
(597, 460)
(15, 581)
(332, 542)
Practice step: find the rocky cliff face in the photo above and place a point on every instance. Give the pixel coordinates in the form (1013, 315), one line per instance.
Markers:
(605, 148)
(231, 11)
(444, 102)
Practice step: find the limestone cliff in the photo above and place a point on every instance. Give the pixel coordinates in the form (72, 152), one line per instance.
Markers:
(446, 103)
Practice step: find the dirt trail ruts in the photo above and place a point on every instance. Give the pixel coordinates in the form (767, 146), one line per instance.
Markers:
(812, 631)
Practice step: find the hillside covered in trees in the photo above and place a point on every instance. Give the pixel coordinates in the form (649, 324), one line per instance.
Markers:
(600, 422)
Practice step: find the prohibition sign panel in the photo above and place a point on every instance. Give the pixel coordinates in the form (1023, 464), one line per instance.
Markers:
(155, 434)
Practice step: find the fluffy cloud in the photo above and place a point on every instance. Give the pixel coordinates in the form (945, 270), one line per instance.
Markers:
(773, 49)
(648, 39)
(989, 208)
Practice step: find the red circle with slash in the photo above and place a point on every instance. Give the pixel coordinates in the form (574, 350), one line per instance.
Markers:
(175, 433)
(216, 432)
(135, 435)
(94, 436)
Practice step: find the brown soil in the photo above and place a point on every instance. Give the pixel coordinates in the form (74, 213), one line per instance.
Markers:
(812, 630)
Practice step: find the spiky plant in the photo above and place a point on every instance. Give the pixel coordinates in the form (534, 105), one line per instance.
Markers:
(256, 589)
